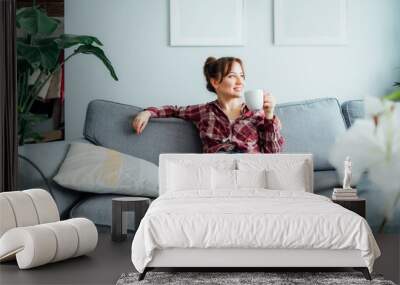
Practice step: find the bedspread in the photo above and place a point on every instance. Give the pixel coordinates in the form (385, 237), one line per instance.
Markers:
(252, 218)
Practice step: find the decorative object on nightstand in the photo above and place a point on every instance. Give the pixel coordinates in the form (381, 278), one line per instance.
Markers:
(347, 173)
(357, 205)
(347, 196)
(346, 192)
(120, 207)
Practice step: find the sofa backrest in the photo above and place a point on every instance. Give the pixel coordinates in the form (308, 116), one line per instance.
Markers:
(352, 110)
(309, 126)
(109, 124)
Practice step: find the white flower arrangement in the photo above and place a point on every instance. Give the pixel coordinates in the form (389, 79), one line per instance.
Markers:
(373, 143)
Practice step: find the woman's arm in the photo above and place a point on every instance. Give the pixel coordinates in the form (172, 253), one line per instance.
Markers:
(191, 113)
(271, 140)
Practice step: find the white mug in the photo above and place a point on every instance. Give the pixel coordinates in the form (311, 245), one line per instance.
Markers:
(254, 99)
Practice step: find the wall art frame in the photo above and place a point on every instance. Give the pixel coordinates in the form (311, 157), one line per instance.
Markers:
(207, 22)
(310, 22)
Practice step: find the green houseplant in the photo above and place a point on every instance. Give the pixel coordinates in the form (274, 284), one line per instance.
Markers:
(38, 50)
(395, 95)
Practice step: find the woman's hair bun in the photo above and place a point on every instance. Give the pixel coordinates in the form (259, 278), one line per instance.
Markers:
(210, 60)
(208, 70)
(209, 65)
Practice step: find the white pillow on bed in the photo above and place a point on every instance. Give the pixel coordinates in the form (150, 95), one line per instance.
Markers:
(183, 178)
(237, 179)
(292, 180)
(252, 178)
(282, 174)
(223, 179)
(184, 174)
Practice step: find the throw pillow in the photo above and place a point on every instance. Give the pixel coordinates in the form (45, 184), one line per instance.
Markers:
(96, 169)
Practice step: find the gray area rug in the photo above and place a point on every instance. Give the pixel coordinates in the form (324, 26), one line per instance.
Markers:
(229, 278)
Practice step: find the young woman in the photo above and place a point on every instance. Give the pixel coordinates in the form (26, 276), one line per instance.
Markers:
(226, 124)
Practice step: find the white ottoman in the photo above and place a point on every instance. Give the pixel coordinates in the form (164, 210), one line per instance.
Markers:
(26, 208)
(31, 232)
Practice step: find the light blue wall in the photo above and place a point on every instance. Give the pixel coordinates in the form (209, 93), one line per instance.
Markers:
(135, 34)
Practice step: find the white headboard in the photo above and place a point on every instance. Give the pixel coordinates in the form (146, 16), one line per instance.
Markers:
(212, 158)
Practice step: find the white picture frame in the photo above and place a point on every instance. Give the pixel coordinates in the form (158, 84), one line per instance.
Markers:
(310, 22)
(207, 22)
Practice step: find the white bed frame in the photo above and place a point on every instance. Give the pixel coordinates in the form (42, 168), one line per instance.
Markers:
(250, 258)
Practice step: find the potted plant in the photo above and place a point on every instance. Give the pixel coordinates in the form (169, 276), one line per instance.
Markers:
(39, 52)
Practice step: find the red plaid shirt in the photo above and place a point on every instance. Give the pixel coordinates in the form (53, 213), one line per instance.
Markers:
(251, 132)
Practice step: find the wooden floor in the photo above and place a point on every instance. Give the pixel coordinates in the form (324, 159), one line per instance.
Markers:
(111, 259)
(389, 262)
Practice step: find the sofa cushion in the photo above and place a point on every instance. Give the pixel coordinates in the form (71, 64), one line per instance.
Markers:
(352, 110)
(47, 157)
(311, 126)
(109, 124)
(96, 169)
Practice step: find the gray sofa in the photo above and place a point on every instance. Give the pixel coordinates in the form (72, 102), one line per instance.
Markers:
(309, 126)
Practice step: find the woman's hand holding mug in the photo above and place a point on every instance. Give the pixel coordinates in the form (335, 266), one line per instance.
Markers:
(269, 105)
(259, 99)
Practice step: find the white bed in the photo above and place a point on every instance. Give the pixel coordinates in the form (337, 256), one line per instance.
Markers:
(210, 220)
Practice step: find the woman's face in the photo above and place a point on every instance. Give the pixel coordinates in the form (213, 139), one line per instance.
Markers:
(232, 84)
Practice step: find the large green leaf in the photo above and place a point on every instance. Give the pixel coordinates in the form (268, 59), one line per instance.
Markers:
(33, 21)
(24, 69)
(98, 52)
(394, 96)
(66, 41)
(26, 122)
(44, 53)
(32, 118)
(21, 57)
